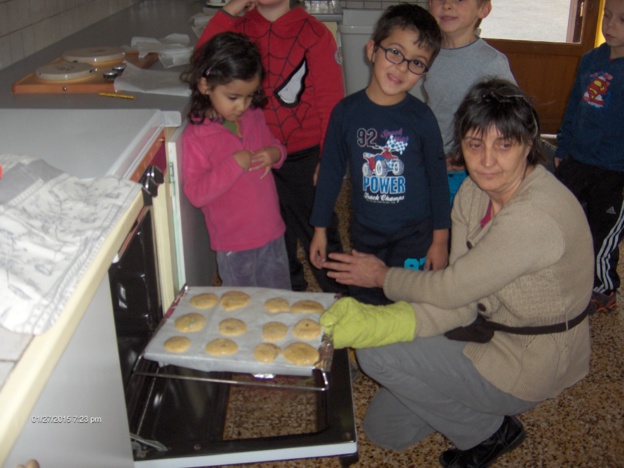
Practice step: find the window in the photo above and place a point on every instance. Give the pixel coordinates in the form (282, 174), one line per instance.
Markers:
(534, 20)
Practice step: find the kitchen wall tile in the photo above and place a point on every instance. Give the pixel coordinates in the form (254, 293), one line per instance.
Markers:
(378, 4)
(37, 10)
(28, 40)
(375, 5)
(43, 33)
(4, 18)
(354, 4)
(56, 7)
(12, 16)
(39, 23)
(16, 45)
(5, 52)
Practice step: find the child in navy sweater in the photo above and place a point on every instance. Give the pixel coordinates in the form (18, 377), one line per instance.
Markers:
(589, 156)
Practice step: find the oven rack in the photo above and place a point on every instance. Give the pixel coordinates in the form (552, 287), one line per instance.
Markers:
(262, 380)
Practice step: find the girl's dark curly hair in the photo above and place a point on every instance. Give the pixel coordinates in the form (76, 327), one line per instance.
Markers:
(503, 105)
(224, 58)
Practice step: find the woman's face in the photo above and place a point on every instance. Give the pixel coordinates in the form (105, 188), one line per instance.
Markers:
(496, 164)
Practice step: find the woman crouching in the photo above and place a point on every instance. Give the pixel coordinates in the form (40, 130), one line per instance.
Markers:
(503, 327)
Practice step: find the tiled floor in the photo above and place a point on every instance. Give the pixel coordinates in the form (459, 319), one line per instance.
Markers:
(582, 427)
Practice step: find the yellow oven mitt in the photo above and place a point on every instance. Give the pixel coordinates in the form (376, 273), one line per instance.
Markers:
(353, 324)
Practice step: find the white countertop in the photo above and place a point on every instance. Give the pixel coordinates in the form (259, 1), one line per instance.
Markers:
(82, 143)
(85, 135)
(30, 372)
(150, 18)
(85, 144)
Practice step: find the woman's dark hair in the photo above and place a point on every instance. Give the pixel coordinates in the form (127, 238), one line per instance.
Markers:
(500, 104)
(412, 18)
(224, 58)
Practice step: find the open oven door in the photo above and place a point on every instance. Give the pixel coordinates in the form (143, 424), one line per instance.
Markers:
(197, 263)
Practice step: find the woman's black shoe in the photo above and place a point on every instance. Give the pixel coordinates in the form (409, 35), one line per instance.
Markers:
(509, 436)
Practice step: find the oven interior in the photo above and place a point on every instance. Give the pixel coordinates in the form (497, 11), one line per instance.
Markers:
(173, 414)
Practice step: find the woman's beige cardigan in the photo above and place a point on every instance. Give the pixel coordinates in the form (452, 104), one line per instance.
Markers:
(531, 265)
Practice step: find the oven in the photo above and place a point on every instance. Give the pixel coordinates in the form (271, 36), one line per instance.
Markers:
(179, 417)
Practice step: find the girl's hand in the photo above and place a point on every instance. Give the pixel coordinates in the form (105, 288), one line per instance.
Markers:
(318, 247)
(264, 158)
(244, 159)
(316, 173)
(236, 7)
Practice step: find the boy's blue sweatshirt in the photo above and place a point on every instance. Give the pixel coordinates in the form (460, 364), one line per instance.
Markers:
(592, 131)
(396, 162)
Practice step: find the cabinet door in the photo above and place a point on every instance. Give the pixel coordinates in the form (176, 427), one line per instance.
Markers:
(80, 418)
(197, 264)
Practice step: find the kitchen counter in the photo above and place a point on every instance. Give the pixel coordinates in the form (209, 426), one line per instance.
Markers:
(83, 143)
(150, 18)
(86, 135)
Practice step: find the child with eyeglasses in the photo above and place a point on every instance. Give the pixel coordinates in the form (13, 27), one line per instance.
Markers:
(464, 60)
(391, 143)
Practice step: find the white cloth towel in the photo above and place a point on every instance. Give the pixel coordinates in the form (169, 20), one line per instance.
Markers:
(136, 79)
(50, 233)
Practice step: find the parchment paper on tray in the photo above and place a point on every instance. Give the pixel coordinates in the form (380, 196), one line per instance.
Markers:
(254, 315)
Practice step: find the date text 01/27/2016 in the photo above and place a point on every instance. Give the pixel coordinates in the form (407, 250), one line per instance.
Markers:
(65, 419)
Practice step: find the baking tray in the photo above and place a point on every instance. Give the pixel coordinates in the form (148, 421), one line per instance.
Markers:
(96, 83)
(255, 316)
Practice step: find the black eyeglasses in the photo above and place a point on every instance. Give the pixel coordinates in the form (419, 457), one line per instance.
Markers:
(395, 56)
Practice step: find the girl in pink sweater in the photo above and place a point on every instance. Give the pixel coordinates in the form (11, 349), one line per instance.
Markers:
(227, 160)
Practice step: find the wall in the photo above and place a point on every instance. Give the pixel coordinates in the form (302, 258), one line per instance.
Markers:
(27, 26)
(379, 4)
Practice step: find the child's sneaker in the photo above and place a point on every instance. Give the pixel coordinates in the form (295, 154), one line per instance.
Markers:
(603, 302)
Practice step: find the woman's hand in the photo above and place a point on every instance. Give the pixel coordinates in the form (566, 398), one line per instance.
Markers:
(357, 269)
(353, 324)
(264, 158)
